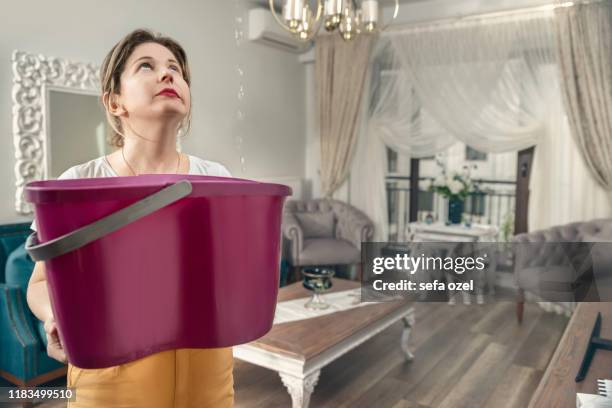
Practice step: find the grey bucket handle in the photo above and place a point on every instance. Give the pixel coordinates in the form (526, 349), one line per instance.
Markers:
(97, 229)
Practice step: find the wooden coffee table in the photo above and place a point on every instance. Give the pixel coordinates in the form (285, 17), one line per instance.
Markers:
(298, 350)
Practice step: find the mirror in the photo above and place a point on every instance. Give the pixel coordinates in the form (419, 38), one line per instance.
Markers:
(77, 130)
(58, 120)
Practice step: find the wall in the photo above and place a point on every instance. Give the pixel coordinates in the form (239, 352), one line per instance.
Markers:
(313, 141)
(85, 31)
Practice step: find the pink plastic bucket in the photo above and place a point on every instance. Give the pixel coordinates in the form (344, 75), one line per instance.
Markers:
(132, 273)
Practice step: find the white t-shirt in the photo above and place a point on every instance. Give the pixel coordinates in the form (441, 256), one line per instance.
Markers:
(101, 168)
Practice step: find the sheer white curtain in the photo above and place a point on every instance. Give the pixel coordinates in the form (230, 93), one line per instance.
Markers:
(478, 78)
(562, 189)
(475, 80)
(390, 117)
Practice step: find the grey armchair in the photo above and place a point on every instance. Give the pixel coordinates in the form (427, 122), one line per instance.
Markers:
(324, 232)
(553, 265)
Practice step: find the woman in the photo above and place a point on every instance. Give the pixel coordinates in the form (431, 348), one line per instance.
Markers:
(145, 91)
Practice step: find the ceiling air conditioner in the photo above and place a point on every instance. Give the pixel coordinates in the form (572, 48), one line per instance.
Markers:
(265, 30)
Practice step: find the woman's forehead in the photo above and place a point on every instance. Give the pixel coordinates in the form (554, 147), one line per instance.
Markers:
(153, 50)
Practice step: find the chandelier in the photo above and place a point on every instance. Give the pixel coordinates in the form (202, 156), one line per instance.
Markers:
(342, 15)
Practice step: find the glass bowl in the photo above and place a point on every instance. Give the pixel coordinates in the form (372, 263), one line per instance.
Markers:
(317, 280)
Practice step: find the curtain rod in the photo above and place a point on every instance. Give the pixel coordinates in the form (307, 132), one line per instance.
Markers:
(477, 16)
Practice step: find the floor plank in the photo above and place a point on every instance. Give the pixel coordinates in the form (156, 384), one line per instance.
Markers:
(538, 357)
(386, 392)
(475, 384)
(407, 404)
(517, 388)
(449, 370)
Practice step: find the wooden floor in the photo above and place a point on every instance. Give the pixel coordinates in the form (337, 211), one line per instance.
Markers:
(465, 356)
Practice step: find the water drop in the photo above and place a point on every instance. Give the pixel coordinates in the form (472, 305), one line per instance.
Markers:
(239, 36)
(240, 114)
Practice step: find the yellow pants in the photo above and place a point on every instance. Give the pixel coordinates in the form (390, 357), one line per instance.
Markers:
(169, 379)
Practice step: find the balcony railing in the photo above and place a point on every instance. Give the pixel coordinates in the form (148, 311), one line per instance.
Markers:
(492, 203)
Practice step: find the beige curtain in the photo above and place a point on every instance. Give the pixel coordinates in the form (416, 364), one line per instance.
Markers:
(340, 69)
(584, 42)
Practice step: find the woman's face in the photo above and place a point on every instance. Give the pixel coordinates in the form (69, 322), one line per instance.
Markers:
(150, 75)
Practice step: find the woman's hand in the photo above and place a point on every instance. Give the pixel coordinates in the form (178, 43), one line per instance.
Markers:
(54, 345)
(38, 300)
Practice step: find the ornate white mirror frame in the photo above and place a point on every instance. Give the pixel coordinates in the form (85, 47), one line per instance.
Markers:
(34, 76)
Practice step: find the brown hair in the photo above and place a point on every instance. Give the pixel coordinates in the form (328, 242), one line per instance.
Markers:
(114, 63)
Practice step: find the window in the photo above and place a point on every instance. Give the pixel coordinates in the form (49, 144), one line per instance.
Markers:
(475, 204)
(426, 201)
(391, 161)
(474, 155)
(392, 201)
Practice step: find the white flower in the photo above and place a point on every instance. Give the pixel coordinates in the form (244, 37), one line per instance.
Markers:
(455, 186)
(425, 185)
(440, 181)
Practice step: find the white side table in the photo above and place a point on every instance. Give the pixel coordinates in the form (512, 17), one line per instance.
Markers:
(439, 232)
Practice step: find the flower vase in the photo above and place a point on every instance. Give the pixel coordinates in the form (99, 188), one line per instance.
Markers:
(455, 210)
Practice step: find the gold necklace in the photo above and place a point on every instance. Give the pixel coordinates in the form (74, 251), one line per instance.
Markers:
(178, 162)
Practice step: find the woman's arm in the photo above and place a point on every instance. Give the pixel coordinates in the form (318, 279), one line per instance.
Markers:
(38, 295)
(40, 304)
